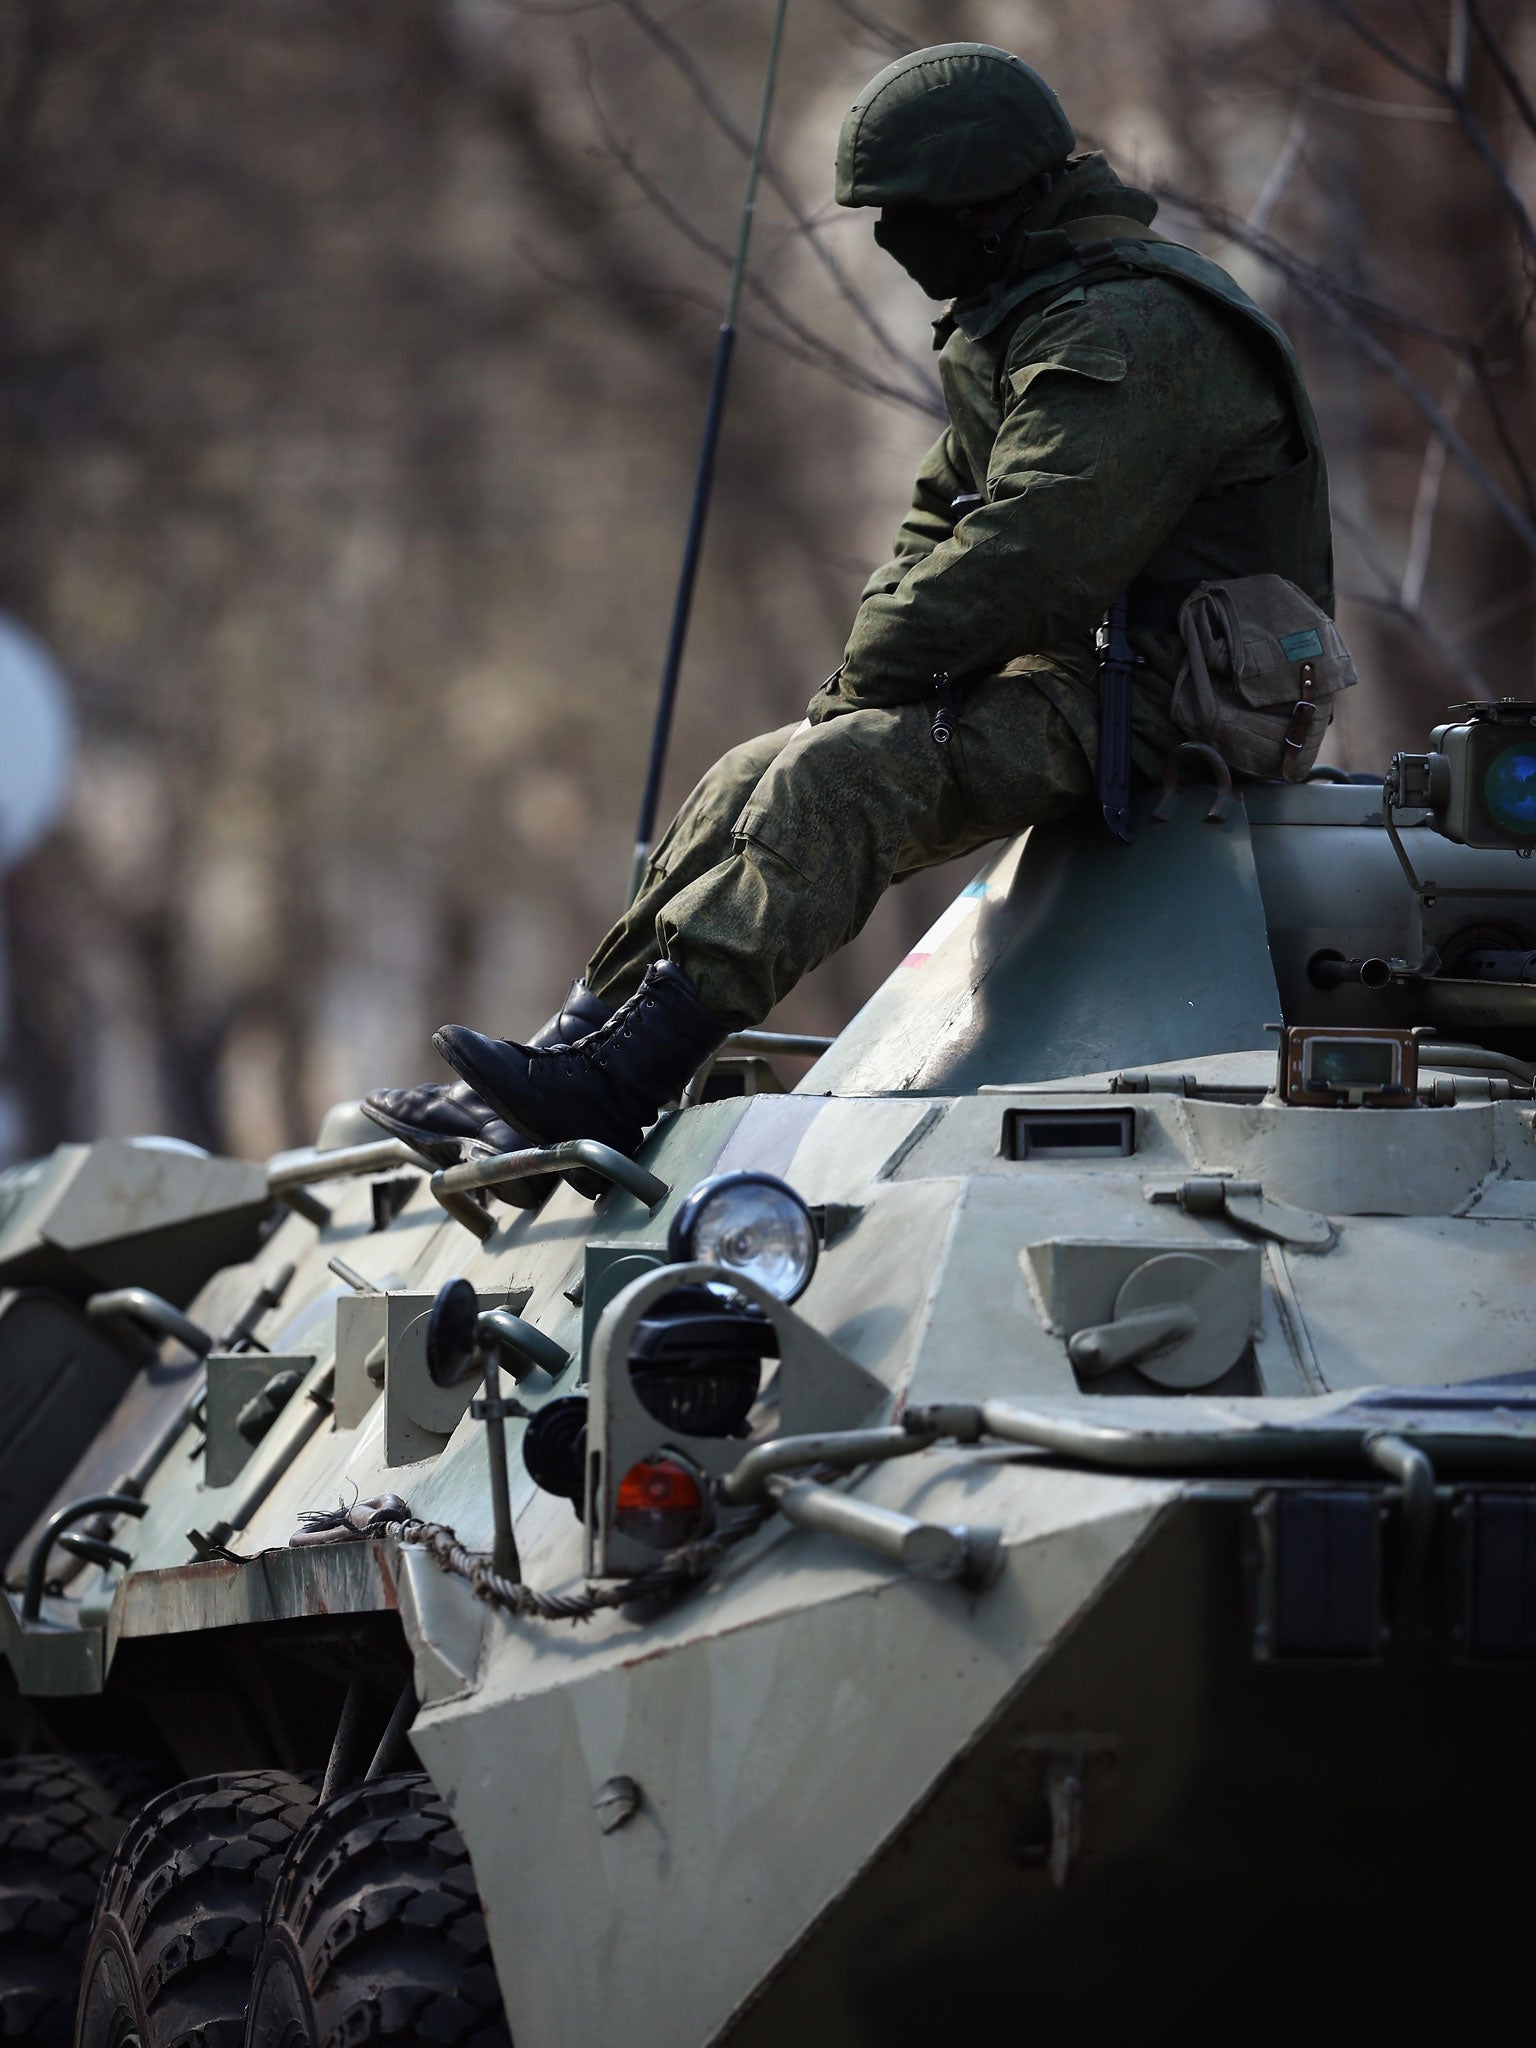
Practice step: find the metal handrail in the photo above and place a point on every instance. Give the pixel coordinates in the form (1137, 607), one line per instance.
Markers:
(1477, 1059)
(527, 1344)
(795, 1044)
(151, 1312)
(54, 1527)
(748, 1480)
(93, 1549)
(466, 1209)
(940, 1551)
(309, 1168)
(1118, 1447)
(502, 1167)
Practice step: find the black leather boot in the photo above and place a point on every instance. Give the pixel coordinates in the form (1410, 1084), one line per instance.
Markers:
(450, 1124)
(444, 1124)
(608, 1085)
(580, 1013)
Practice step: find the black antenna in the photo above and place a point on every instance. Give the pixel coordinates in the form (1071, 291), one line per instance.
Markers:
(714, 413)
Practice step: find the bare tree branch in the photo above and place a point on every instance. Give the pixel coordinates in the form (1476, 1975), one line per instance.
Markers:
(807, 345)
(1421, 534)
(1456, 98)
(1456, 47)
(1398, 59)
(1296, 267)
(683, 61)
(1284, 167)
(1519, 467)
(896, 40)
(33, 36)
(1390, 110)
(1414, 391)
(1388, 599)
(1329, 299)
(814, 357)
(1509, 78)
(1487, 616)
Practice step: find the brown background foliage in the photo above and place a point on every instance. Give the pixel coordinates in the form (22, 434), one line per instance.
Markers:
(352, 360)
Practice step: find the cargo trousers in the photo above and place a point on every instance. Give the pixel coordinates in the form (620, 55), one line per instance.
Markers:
(784, 848)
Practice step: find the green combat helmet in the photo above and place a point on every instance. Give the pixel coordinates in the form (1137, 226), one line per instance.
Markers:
(949, 127)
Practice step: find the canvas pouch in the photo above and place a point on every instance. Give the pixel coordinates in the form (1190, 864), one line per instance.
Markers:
(1262, 665)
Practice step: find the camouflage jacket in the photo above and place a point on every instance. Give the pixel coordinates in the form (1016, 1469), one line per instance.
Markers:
(1122, 412)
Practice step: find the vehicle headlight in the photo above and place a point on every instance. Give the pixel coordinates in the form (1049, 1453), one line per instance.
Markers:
(696, 1362)
(749, 1224)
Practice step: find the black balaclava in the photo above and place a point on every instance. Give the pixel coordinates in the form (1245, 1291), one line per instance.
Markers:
(937, 251)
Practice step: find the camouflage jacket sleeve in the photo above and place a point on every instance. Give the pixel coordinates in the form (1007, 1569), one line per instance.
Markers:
(940, 480)
(1109, 432)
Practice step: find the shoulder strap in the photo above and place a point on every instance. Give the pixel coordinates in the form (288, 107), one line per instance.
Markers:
(1107, 245)
(1069, 251)
(1109, 227)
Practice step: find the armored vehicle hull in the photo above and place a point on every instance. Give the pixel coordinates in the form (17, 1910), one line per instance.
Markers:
(1113, 1591)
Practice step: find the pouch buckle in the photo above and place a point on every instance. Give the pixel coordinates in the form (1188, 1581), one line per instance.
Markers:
(1303, 711)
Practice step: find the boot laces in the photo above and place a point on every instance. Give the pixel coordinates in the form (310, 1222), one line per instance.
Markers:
(591, 1050)
(588, 1052)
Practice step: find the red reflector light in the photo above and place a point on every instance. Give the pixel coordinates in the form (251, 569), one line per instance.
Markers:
(659, 1503)
(659, 1483)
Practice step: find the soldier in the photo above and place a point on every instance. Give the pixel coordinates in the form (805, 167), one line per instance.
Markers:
(1123, 422)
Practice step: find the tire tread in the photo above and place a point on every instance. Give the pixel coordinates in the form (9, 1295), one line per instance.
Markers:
(188, 1888)
(378, 1897)
(60, 1819)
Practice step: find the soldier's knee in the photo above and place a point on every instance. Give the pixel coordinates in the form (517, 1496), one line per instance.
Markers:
(732, 779)
(846, 793)
(872, 745)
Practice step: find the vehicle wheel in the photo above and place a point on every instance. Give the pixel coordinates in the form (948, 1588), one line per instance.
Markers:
(60, 1819)
(179, 1919)
(375, 1933)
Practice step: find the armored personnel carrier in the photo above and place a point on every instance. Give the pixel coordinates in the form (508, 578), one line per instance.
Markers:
(1033, 1524)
